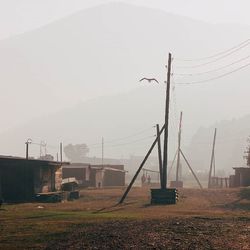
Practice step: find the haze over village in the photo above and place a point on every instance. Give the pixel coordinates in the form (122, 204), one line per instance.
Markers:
(76, 92)
(84, 85)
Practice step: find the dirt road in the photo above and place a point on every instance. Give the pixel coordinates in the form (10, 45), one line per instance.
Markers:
(173, 233)
(202, 219)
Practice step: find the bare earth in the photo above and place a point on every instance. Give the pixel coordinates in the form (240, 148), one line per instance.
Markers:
(202, 219)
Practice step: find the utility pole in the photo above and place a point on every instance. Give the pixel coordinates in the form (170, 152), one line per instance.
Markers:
(29, 141)
(165, 152)
(102, 150)
(214, 164)
(162, 195)
(42, 144)
(212, 160)
(159, 152)
(40, 149)
(61, 152)
(27, 150)
(179, 149)
(172, 164)
(45, 148)
(177, 183)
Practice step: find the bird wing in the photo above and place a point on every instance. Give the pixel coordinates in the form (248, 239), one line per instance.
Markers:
(149, 79)
(144, 78)
(153, 79)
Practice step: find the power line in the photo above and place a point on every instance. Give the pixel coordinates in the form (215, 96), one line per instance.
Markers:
(127, 143)
(132, 142)
(214, 78)
(215, 60)
(174, 109)
(215, 55)
(123, 138)
(213, 70)
(175, 106)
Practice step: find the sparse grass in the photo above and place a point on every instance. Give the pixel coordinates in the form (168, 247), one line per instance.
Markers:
(26, 225)
(245, 193)
(33, 226)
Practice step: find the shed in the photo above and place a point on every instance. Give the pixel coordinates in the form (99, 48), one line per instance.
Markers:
(21, 179)
(241, 177)
(95, 175)
(79, 171)
(107, 175)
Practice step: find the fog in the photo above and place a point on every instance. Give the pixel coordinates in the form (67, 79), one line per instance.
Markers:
(21, 16)
(70, 71)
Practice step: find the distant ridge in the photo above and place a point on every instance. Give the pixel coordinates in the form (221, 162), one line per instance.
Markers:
(100, 54)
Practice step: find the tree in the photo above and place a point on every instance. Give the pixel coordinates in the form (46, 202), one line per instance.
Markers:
(77, 152)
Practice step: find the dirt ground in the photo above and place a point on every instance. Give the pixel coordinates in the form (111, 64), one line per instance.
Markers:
(202, 219)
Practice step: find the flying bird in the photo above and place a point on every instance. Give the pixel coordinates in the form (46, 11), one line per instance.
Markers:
(149, 80)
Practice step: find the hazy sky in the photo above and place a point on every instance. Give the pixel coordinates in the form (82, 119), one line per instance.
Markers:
(72, 61)
(18, 16)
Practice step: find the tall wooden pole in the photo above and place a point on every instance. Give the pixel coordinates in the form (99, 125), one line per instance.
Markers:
(179, 147)
(165, 152)
(61, 156)
(212, 160)
(29, 141)
(159, 153)
(102, 150)
(172, 164)
(214, 165)
(27, 150)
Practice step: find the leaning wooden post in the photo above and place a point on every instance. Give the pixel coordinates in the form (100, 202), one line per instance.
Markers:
(196, 178)
(141, 166)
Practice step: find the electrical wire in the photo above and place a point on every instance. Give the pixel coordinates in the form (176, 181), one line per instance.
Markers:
(132, 142)
(215, 60)
(214, 78)
(213, 70)
(127, 143)
(122, 138)
(174, 103)
(215, 55)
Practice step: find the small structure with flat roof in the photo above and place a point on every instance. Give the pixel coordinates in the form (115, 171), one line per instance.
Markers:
(89, 175)
(21, 179)
(241, 178)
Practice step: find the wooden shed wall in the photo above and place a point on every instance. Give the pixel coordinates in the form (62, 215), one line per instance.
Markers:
(20, 181)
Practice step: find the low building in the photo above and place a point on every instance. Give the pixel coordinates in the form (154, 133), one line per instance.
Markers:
(241, 178)
(95, 175)
(22, 179)
(107, 175)
(79, 171)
